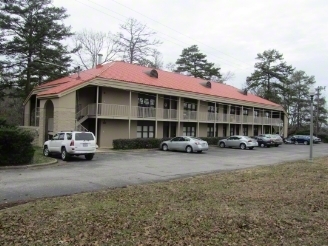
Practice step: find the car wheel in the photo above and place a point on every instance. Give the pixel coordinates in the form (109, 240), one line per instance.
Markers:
(222, 145)
(64, 154)
(89, 157)
(46, 151)
(165, 147)
(305, 142)
(188, 149)
(243, 146)
(251, 148)
(262, 145)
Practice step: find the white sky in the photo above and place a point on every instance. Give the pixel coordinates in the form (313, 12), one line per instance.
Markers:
(229, 32)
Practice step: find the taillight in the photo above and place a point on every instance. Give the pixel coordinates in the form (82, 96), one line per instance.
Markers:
(72, 143)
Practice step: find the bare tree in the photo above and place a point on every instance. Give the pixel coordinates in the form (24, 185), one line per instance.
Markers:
(136, 42)
(155, 61)
(171, 66)
(91, 43)
(227, 76)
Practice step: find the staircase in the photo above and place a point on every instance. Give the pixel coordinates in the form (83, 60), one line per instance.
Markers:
(80, 117)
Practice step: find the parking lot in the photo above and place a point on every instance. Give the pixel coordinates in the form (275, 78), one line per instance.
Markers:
(117, 169)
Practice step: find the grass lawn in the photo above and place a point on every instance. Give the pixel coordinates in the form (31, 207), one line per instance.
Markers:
(39, 157)
(285, 204)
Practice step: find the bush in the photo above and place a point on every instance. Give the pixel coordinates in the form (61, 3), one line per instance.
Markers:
(324, 137)
(151, 143)
(15, 146)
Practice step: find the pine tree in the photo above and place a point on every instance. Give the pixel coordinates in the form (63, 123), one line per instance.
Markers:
(195, 63)
(33, 32)
(271, 73)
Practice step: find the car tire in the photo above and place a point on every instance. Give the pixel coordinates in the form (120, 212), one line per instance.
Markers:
(165, 147)
(89, 157)
(46, 151)
(189, 149)
(222, 145)
(199, 151)
(276, 145)
(306, 142)
(268, 146)
(242, 146)
(262, 145)
(64, 155)
(251, 148)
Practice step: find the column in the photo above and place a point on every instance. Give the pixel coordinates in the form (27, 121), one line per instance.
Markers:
(96, 127)
(198, 110)
(229, 119)
(179, 115)
(130, 96)
(156, 128)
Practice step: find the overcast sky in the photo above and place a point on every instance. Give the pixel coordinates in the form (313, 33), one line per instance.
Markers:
(229, 32)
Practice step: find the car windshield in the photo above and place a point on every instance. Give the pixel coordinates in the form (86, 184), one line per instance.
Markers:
(83, 136)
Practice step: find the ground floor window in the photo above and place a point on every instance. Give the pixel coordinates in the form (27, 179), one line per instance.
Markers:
(169, 129)
(189, 130)
(145, 129)
(210, 130)
(256, 130)
(232, 130)
(224, 130)
(245, 130)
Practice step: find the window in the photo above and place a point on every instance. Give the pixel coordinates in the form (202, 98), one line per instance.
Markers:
(83, 136)
(267, 114)
(145, 130)
(55, 137)
(232, 130)
(189, 130)
(211, 108)
(69, 136)
(232, 110)
(147, 101)
(190, 106)
(224, 130)
(256, 113)
(245, 111)
(210, 130)
(245, 130)
(61, 136)
(256, 130)
(225, 109)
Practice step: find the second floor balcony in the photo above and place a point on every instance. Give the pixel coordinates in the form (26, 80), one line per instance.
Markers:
(113, 111)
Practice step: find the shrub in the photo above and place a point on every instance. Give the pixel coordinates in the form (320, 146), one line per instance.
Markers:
(15, 146)
(151, 143)
(324, 137)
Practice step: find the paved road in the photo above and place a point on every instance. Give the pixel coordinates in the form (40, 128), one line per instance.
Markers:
(128, 168)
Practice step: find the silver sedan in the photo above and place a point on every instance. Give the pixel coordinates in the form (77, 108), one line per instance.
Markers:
(185, 143)
(237, 141)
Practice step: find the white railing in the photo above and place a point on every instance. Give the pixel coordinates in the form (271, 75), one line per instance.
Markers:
(167, 114)
(113, 110)
(189, 115)
(143, 112)
(122, 111)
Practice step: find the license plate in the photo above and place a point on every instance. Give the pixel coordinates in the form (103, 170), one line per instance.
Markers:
(85, 145)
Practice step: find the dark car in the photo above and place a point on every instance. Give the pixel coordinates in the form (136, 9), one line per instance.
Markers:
(265, 141)
(303, 139)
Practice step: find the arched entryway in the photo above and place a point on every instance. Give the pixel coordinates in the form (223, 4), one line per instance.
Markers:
(48, 119)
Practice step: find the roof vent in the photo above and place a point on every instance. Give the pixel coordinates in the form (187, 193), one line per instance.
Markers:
(245, 92)
(209, 84)
(152, 73)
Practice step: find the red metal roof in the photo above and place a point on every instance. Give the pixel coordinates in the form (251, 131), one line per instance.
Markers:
(132, 73)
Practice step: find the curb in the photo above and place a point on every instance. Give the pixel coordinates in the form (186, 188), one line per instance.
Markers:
(52, 162)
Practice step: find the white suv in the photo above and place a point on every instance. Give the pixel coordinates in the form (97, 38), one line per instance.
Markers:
(71, 143)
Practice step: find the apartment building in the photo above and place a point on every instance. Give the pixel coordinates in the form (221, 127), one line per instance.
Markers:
(122, 100)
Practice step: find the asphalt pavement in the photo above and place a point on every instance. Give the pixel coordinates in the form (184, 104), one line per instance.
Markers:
(118, 169)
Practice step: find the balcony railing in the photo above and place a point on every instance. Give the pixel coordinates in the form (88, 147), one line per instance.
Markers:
(123, 111)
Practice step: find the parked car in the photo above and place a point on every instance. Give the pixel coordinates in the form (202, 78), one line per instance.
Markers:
(72, 143)
(304, 139)
(288, 140)
(185, 143)
(274, 137)
(238, 141)
(264, 141)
